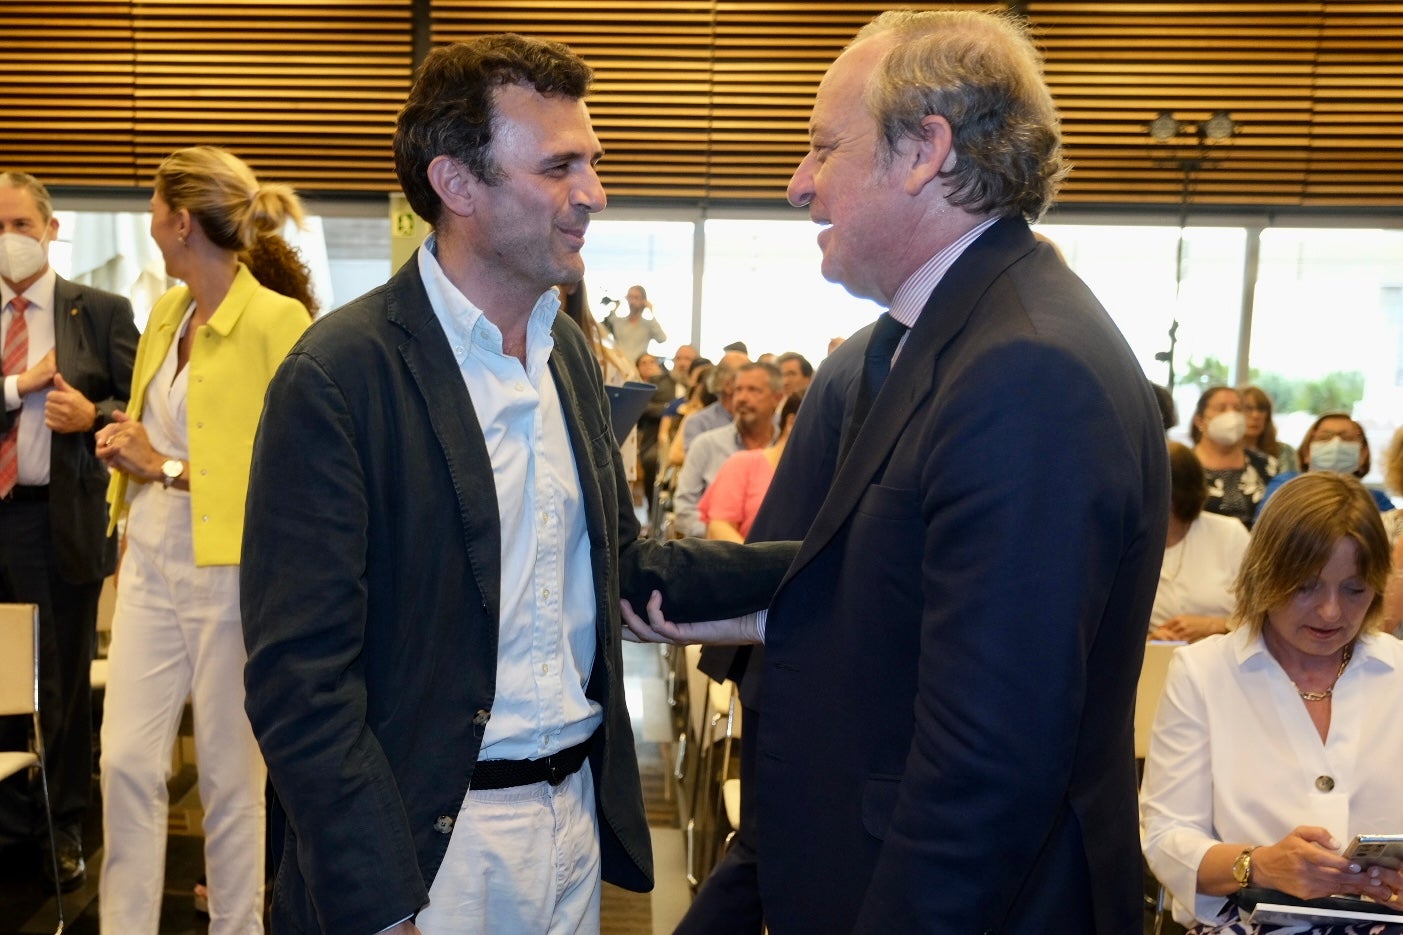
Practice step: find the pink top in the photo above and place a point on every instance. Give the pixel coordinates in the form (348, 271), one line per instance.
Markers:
(739, 486)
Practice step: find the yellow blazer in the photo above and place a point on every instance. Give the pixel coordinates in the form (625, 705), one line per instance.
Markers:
(234, 357)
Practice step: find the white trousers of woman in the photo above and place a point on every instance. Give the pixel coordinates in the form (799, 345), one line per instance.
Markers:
(176, 634)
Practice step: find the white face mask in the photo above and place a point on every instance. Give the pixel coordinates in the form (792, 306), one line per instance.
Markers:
(21, 256)
(1227, 428)
(1336, 455)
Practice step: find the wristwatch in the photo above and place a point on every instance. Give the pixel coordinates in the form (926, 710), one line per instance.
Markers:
(171, 471)
(1242, 868)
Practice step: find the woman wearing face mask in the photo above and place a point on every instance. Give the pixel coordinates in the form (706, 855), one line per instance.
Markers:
(1237, 475)
(1334, 442)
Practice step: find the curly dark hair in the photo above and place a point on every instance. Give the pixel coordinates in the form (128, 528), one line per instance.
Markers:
(278, 265)
(452, 107)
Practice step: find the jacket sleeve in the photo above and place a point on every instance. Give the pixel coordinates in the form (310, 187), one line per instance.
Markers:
(304, 613)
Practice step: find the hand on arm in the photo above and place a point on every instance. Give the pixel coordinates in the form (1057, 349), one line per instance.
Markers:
(1189, 627)
(67, 410)
(658, 629)
(725, 530)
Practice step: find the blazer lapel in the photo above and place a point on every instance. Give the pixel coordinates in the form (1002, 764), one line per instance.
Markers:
(430, 362)
(913, 374)
(69, 338)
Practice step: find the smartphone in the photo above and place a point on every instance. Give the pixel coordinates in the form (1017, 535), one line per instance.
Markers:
(1386, 850)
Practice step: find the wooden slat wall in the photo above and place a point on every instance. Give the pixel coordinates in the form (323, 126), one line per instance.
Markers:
(1315, 87)
(306, 91)
(706, 100)
(66, 90)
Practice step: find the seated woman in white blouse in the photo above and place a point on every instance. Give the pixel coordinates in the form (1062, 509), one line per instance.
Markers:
(1201, 557)
(1276, 743)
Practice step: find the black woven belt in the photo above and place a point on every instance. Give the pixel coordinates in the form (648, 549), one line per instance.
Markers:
(505, 774)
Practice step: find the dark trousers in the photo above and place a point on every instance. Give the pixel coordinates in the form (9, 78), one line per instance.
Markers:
(67, 628)
(728, 902)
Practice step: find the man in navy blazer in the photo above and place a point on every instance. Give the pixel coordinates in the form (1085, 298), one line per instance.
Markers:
(951, 661)
(54, 547)
(438, 533)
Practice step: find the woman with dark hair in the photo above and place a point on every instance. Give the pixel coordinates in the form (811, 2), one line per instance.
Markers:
(1237, 475)
(1201, 557)
(1261, 431)
(1276, 743)
(1334, 442)
(180, 457)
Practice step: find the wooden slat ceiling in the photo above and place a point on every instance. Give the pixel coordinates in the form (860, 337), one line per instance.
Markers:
(708, 100)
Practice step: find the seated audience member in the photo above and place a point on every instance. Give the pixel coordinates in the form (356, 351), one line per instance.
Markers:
(1276, 743)
(1261, 431)
(1237, 475)
(733, 497)
(699, 396)
(719, 413)
(1393, 483)
(1201, 558)
(1334, 442)
(756, 395)
(651, 371)
(798, 373)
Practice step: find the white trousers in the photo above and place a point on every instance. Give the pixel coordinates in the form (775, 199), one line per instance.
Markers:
(176, 634)
(522, 860)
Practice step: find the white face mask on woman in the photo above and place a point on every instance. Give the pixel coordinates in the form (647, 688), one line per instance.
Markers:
(21, 256)
(1336, 455)
(1227, 428)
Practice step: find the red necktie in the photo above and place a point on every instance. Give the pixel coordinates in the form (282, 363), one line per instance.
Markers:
(16, 359)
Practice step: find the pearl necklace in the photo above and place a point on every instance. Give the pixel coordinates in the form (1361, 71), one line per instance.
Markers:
(1321, 696)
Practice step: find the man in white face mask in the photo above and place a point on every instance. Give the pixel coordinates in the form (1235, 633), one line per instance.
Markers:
(67, 364)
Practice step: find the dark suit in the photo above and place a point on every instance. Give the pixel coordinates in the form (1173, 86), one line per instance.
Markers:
(371, 581)
(952, 659)
(56, 554)
(729, 900)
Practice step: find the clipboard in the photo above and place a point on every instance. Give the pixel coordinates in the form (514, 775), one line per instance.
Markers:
(626, 405)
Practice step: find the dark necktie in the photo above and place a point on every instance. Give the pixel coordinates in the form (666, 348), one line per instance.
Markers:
(880, 348)
(16, 355)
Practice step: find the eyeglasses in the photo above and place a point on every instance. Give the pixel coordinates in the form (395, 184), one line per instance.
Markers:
(1349, 435)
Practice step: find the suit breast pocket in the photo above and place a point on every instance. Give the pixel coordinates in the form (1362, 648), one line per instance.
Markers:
(891, 503)
(878, 802)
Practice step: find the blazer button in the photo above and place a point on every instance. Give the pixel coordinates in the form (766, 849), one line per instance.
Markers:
(482, 717)
(1324, 783)
(443, 824)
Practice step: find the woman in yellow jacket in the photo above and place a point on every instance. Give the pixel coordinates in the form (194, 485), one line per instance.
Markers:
(181, 456)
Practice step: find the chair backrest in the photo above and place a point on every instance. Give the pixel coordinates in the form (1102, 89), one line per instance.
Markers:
(19, 674)
(1151, 686)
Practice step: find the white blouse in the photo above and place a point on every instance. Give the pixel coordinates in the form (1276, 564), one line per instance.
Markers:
(1234, 757)
(1198, 571)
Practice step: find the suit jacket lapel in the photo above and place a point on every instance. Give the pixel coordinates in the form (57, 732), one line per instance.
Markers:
(430, 362)
(913, 375)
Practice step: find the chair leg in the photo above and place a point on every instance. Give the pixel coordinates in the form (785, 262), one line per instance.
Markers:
(49, 819)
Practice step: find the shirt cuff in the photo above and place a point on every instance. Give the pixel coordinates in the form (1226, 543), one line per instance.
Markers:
(12, 397)
(760, 617)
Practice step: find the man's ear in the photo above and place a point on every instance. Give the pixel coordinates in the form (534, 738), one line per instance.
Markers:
(931, 154)
(454, 184)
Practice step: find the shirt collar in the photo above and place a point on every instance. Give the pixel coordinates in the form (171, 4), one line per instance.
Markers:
(40, 292)
(466, 325)
(911, 298)
(1250, 650)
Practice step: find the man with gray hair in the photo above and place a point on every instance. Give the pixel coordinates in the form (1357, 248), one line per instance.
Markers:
(951, 662)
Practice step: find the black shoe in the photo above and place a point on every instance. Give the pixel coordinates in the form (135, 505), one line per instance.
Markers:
(72, 872)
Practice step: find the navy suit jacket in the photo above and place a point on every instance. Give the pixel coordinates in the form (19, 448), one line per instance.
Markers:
(800, 484)
(371, 584)
(952, 659)
(94, 347)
